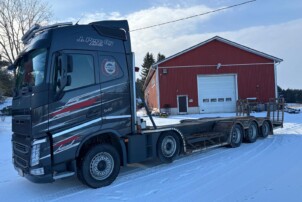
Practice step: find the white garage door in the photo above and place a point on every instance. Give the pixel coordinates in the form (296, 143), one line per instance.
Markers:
(217, 93)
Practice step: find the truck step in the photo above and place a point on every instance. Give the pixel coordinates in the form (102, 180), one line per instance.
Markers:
(63, 175)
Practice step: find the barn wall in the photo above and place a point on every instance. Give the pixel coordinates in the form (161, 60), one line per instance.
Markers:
(254, 80)
(151, 93)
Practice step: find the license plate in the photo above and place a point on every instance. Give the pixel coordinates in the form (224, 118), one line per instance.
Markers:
(20, 172)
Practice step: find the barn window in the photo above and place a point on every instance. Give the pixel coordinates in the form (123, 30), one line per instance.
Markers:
(213, 100)
(220, 99)
(205, 100)
(228, 99)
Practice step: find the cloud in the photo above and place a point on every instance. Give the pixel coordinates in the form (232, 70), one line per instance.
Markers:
(280, 40)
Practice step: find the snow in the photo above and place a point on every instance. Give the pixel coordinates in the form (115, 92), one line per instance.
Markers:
(268, 170)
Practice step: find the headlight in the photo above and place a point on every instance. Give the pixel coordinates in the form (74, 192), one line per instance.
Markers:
(35, 155)
(37, 171)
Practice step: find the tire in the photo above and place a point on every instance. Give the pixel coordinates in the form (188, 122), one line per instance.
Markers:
(236, 136)
(252, 133)
(168, 147)
(100, 166)
(265, 129)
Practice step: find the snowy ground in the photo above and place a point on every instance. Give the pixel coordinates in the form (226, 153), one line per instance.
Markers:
(267, 170)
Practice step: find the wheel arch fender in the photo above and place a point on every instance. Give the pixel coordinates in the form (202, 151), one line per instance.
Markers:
(114, 136)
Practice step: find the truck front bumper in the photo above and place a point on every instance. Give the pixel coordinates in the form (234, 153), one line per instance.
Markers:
(45, 178)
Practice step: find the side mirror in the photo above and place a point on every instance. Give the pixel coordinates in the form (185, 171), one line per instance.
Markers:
(64, 66)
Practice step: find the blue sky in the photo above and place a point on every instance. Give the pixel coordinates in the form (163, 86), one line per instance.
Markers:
(270, 26)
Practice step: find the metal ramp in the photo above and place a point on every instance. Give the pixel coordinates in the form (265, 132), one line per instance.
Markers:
(275, 111)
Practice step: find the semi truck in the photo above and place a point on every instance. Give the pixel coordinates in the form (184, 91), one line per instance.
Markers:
(74, 109)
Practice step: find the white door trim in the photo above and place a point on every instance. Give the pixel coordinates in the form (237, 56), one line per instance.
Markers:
(178, 104)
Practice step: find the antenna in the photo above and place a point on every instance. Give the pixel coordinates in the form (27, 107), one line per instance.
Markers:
(77, 23)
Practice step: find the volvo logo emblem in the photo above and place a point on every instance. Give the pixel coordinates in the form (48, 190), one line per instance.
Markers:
(110, 67)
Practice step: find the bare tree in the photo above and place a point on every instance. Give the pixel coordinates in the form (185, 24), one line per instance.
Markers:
(16, 17)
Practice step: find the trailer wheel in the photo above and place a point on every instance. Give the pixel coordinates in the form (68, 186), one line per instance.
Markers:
(236, 135)
(100, 166)
(265, 129)
(168, 147)
(252, 133)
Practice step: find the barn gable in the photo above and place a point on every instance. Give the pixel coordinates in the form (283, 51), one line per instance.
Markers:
(211, 76)
(213, 51)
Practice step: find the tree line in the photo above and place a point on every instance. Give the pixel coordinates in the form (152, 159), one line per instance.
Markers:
(290, 95)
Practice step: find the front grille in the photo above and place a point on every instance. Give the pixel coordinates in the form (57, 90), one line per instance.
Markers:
(21, 162)
(21, 147)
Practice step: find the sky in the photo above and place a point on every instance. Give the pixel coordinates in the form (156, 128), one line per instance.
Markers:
(270, 26)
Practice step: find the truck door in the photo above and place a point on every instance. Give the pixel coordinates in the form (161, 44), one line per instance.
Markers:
(78, 106)
(115, 90)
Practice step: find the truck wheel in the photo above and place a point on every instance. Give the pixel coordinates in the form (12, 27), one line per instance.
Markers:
(252, 133)
(100, 166)
(236, 135)
(168, 147)
(265, 129)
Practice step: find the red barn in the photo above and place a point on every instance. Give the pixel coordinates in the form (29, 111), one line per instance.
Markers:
(210, 77)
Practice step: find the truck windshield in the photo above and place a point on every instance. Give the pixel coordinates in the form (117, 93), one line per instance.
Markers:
(31, 69)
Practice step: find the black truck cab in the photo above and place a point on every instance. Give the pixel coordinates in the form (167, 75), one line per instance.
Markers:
(73, 82)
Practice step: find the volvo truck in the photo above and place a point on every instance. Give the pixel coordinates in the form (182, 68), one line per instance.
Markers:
(74, 109)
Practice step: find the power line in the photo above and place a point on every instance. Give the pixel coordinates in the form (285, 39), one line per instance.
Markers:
(193, 16)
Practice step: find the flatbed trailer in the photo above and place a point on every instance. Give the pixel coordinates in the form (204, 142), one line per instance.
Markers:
(191, 135)
(74, 109)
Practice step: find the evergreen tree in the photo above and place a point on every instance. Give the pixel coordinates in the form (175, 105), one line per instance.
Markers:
(148, 62)
(6, 83)
(291, 95)
(6, 79)
(139, 88)
(160, 57)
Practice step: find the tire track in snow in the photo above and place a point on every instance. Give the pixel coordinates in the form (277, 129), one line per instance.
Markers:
(212, 169)
(132, 176)
(138, 174)
(219, 166)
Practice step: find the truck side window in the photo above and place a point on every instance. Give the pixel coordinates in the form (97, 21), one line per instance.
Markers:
(83, 71)
(110, 68)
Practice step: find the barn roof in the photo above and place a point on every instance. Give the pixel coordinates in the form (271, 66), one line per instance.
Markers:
(218, 38)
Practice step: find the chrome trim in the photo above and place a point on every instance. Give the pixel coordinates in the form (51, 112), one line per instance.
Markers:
(39, 141)
(88, 123)
(76, 128)
(116, 117)
(113, 86)
(44, 157)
